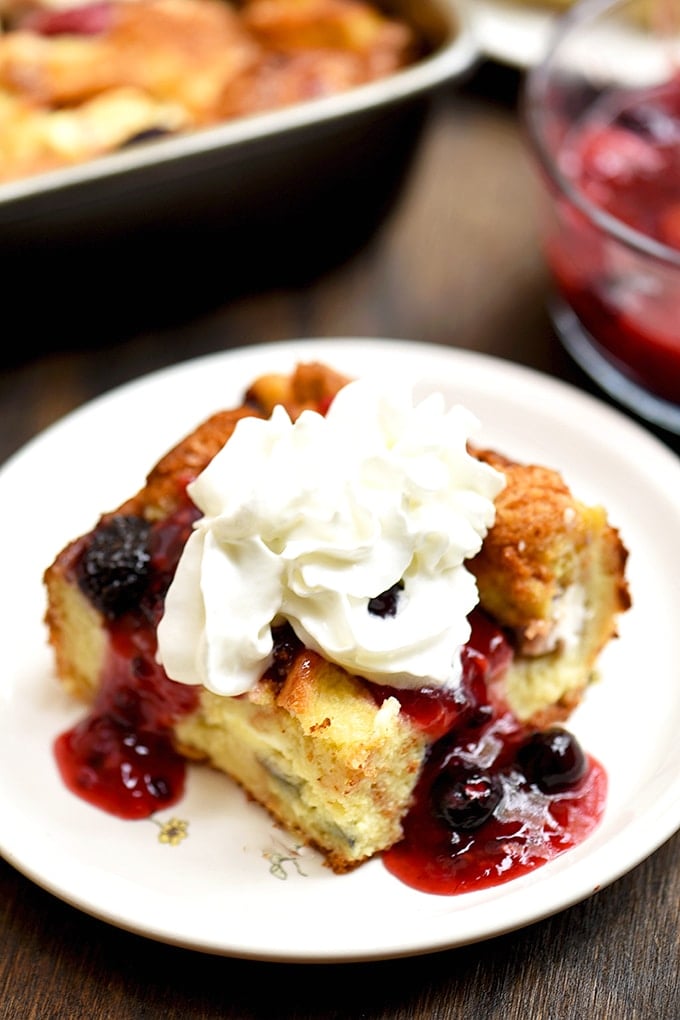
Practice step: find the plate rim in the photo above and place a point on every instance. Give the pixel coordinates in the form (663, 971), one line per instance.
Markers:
(470, 362)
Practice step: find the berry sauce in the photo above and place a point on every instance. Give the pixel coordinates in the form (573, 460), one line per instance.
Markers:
(624, 156)
(121, 757)
(495, 799)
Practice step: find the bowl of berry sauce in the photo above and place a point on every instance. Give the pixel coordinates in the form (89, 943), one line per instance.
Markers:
(602, 117)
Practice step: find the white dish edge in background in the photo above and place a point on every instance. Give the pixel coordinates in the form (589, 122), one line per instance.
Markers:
(521, 36)
(511, 33)
(237, 886)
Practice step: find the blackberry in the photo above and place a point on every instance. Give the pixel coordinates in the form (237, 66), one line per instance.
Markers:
(385, 604)
(113, 571)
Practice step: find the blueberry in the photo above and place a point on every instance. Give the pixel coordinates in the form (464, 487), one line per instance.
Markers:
(552, 760)
(113, 570)
(385, 604)
(465, 797)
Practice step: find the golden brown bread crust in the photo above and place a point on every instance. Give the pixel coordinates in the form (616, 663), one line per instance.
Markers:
(167, 481)
(312, 386)
(551, 571)
(534, 549)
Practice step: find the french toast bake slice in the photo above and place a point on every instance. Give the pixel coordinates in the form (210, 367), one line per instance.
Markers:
(335, 764)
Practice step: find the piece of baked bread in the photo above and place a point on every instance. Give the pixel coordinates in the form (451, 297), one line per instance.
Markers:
(552, 573)
(332, 761)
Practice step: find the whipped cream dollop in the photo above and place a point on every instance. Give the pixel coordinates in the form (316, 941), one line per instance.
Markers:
(308, 521)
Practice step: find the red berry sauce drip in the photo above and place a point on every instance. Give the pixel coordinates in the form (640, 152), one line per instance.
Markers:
(495, 799)
(121, 757)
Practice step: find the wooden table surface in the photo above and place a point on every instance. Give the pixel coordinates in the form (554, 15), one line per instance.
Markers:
(455, 262)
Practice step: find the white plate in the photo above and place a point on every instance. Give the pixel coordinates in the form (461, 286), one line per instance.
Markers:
(514, 34)
(235, 886)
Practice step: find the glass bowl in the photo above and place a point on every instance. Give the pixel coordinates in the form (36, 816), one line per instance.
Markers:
(602, 115)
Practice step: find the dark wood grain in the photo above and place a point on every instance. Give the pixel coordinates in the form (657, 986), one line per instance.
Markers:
(454, 262)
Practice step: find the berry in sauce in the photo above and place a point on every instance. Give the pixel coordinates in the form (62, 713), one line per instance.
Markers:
(113, 569)
(459, 838)
(552, 759)
(121, 757)
(465, 796)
